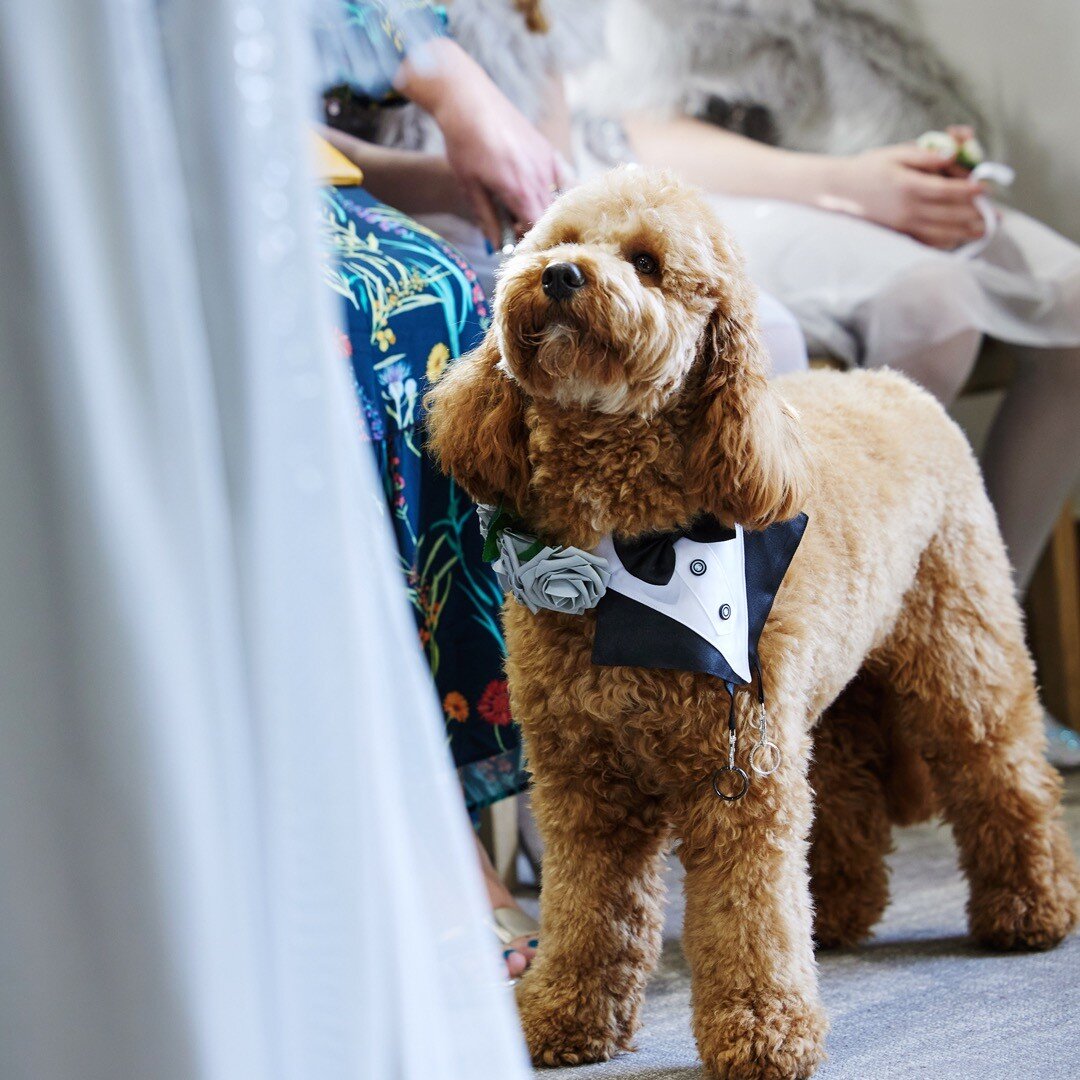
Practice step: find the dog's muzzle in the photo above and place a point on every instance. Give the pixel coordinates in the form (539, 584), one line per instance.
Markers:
(561, 280)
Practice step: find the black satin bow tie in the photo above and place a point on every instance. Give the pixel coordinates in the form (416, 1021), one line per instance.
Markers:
(651, 557)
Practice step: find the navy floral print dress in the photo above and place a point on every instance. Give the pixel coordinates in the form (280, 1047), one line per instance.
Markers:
(411, 305)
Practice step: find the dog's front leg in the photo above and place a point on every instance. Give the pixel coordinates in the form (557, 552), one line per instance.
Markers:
(747, 932)
(600, 917)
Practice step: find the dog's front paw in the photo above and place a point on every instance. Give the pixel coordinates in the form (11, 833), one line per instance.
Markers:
(767, 1038)
(565, 1028)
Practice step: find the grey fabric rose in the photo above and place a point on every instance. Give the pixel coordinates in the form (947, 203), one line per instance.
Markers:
(552, 578)
(486, 514)
(555, 578)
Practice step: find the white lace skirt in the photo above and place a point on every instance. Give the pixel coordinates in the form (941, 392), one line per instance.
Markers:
(866, 294)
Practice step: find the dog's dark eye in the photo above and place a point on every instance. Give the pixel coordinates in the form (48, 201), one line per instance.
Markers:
(645, 264)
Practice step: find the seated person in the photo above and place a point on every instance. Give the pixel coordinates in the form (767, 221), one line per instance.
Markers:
(864, 242)
(412, 303)
(525, 48)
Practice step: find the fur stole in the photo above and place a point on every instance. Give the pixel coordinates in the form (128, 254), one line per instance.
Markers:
(833, 76)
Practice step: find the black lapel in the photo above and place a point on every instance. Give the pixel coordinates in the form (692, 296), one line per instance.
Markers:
(768, 556)
(632, 634)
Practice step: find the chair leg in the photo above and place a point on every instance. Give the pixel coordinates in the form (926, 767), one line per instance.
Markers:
(1054, 621)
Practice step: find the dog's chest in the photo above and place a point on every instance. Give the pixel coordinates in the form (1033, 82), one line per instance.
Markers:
(651, 724)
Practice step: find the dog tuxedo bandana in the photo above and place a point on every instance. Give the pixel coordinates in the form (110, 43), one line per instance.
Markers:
(697, 600)
(693, 600)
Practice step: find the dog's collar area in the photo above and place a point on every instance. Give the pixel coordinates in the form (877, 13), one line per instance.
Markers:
(693, 599)
(680, 603)
(708, 614)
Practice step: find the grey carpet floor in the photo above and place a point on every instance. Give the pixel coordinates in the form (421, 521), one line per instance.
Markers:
(919, 1000)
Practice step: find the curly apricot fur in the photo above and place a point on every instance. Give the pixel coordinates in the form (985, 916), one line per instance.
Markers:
(633, 406)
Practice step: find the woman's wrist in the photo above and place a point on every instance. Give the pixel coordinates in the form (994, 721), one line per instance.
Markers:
(825, 179)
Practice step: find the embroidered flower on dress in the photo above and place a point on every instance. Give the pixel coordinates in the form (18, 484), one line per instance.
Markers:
(456, 707)
(437, 360)
(494, 703)
(373, 416)
(394, 374)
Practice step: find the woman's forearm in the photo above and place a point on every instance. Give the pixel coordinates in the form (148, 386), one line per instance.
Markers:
(555, 123)
(410, 181)
(439, 74)
(726, 162)
(905, 187)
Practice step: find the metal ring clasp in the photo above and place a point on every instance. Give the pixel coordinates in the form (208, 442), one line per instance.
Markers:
(733, 770)
(774, 756)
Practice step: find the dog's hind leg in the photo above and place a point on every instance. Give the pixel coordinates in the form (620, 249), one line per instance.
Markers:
(852, 832)
(601, 917)
(747, 930)
(958, 652)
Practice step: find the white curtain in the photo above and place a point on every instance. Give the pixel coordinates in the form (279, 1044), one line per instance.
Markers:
(231, 844)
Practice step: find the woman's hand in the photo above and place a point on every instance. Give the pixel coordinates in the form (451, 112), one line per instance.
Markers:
(499, 157)
(914, 191)
(504, 165)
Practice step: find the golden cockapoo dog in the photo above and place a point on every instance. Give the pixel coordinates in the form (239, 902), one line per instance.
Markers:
(631, 402)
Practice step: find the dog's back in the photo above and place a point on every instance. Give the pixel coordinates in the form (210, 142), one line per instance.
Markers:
(880, 430)
(875, 431)
(893, 479)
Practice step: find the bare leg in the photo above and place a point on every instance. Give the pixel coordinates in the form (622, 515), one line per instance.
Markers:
(601, 910)
(518, 953)
(1032, 456)
(852, 833)
(945, 367)
(782, 336)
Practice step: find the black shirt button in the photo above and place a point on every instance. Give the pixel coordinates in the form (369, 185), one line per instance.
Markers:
(725, 611)
(697, 567)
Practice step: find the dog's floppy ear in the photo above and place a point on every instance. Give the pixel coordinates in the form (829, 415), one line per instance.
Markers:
(745, 458)
(476, 427)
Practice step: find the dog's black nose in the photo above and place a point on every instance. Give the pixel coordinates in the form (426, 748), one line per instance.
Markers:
(562, 280)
